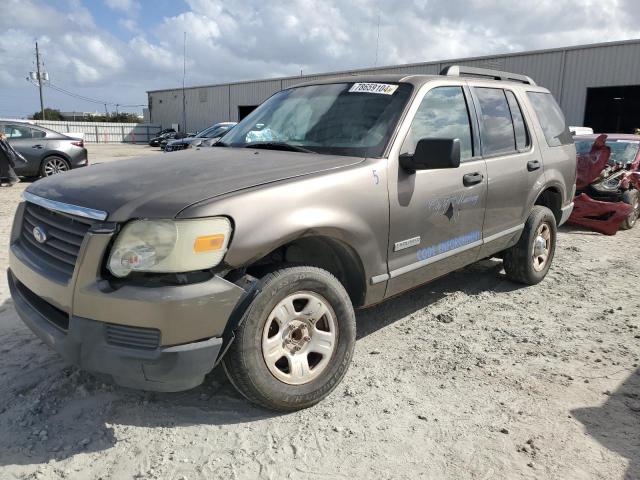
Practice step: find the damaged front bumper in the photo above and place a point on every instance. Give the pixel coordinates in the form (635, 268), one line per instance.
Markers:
(602, 217)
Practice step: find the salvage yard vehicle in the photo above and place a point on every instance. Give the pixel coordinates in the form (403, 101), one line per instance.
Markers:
(47, 152)
(607, 197)
(330, 195)
(211, 134)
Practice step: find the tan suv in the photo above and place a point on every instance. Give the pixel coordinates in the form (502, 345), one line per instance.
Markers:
(329, 196)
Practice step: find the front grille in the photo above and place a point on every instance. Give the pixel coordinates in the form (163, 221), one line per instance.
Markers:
(133, 337)
(63, 237)
(175, 148)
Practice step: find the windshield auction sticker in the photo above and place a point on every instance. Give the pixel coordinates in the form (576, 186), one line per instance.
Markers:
(379, 88)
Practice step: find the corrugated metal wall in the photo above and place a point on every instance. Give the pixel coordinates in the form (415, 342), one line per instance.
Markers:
(105, 132)
(597, 67)
(567, 73)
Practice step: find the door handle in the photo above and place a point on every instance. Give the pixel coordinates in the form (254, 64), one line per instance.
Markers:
(472, 179)
(533, 165)
(37, 146)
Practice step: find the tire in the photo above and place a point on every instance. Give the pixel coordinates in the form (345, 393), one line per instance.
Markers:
(278, 380)
(52, 165)
(632, 198)
(521, 262)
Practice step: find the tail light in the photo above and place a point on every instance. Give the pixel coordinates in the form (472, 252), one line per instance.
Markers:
(78, 143)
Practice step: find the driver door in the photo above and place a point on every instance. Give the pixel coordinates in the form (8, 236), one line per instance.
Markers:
(436, 216)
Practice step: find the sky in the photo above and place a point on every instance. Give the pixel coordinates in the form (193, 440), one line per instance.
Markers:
(115, 50)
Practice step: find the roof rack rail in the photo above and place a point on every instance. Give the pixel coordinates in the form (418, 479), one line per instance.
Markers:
(459, 71)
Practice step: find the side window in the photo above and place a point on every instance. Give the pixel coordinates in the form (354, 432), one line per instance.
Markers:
(442, 114)
(38, 133)
(551, 119)
(17, 132)
(519, 127)
(497, 128)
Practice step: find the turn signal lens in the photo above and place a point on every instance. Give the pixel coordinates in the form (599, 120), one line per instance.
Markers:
(208, 243)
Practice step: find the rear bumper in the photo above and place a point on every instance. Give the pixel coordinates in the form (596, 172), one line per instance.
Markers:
(85, 344)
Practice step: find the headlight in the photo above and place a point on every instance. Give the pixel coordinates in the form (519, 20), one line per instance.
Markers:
(168, 246)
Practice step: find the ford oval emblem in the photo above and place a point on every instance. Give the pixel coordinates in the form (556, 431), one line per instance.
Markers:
(39, 234)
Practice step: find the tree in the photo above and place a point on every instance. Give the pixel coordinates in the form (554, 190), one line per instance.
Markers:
(122, 117)
(49, 114)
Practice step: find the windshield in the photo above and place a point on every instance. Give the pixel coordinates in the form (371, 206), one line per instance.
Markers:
(214, 131)
(622, 151)
(355, 119)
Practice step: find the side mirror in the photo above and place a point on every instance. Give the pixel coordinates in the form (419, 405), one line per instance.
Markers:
(432, 153)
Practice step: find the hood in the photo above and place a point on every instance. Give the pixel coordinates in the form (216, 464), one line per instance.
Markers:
(160, 186)
(589, 166)
(185, 141)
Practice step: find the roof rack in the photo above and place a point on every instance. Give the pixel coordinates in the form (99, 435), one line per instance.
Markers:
(459, 71)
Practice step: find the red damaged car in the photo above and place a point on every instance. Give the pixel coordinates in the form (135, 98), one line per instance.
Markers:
(608, 182)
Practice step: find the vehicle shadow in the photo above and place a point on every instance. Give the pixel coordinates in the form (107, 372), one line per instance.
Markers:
(616, 424)
(49, 410)
(474, 279)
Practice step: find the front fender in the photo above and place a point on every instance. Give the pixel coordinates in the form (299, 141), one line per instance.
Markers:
(349, 204)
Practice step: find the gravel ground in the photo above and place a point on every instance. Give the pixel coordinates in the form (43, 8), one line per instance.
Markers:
(471, 376)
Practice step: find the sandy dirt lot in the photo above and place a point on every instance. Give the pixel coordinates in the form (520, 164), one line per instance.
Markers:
(110, 152)
(471, 377)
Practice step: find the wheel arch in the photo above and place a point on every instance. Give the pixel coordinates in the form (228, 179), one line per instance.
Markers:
(323, 251)
(551, 197)
(56, 153)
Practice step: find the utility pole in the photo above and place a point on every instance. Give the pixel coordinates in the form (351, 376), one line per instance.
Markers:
(39, 80)
(184, 74)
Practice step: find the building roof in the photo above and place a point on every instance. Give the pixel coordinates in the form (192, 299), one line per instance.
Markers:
(408, 65)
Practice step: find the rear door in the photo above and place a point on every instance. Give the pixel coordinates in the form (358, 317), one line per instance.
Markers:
(514, 164)
(30, 142)
(435, 215)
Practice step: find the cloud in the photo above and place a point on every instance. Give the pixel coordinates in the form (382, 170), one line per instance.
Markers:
(251, 39)
(130, 7)
(129, 24)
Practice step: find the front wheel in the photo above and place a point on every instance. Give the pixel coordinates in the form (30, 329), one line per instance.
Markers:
(632, 198)
(528, 261)
(53, 165)
(295, 341)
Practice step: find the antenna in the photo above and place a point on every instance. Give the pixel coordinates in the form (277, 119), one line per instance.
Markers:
(184, 75)
(375, 63)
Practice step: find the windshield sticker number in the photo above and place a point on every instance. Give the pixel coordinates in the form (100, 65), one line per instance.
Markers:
(379, 88)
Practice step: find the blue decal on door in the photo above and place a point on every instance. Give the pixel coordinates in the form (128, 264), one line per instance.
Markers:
(448, 245)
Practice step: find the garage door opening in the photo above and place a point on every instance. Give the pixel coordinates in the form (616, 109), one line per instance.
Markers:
(613, 109)
(245, 110)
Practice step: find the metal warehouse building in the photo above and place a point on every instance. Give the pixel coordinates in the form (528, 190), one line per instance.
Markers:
(596, 85)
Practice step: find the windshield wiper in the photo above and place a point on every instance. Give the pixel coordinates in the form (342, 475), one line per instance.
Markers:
(219, 144)
(279, 146)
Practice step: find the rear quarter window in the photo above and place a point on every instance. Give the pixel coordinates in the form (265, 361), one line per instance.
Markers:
(551, 119)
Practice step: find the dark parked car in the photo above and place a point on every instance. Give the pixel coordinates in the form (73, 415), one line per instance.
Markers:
(155, 141)
(177, 136)
(214, 132)
(47, 152)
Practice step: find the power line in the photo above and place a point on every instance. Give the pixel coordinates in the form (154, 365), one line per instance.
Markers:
(91, 100)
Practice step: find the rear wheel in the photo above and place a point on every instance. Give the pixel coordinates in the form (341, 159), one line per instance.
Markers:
(53, 165)
(632, 198)
(295, 342)
(528, 261)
